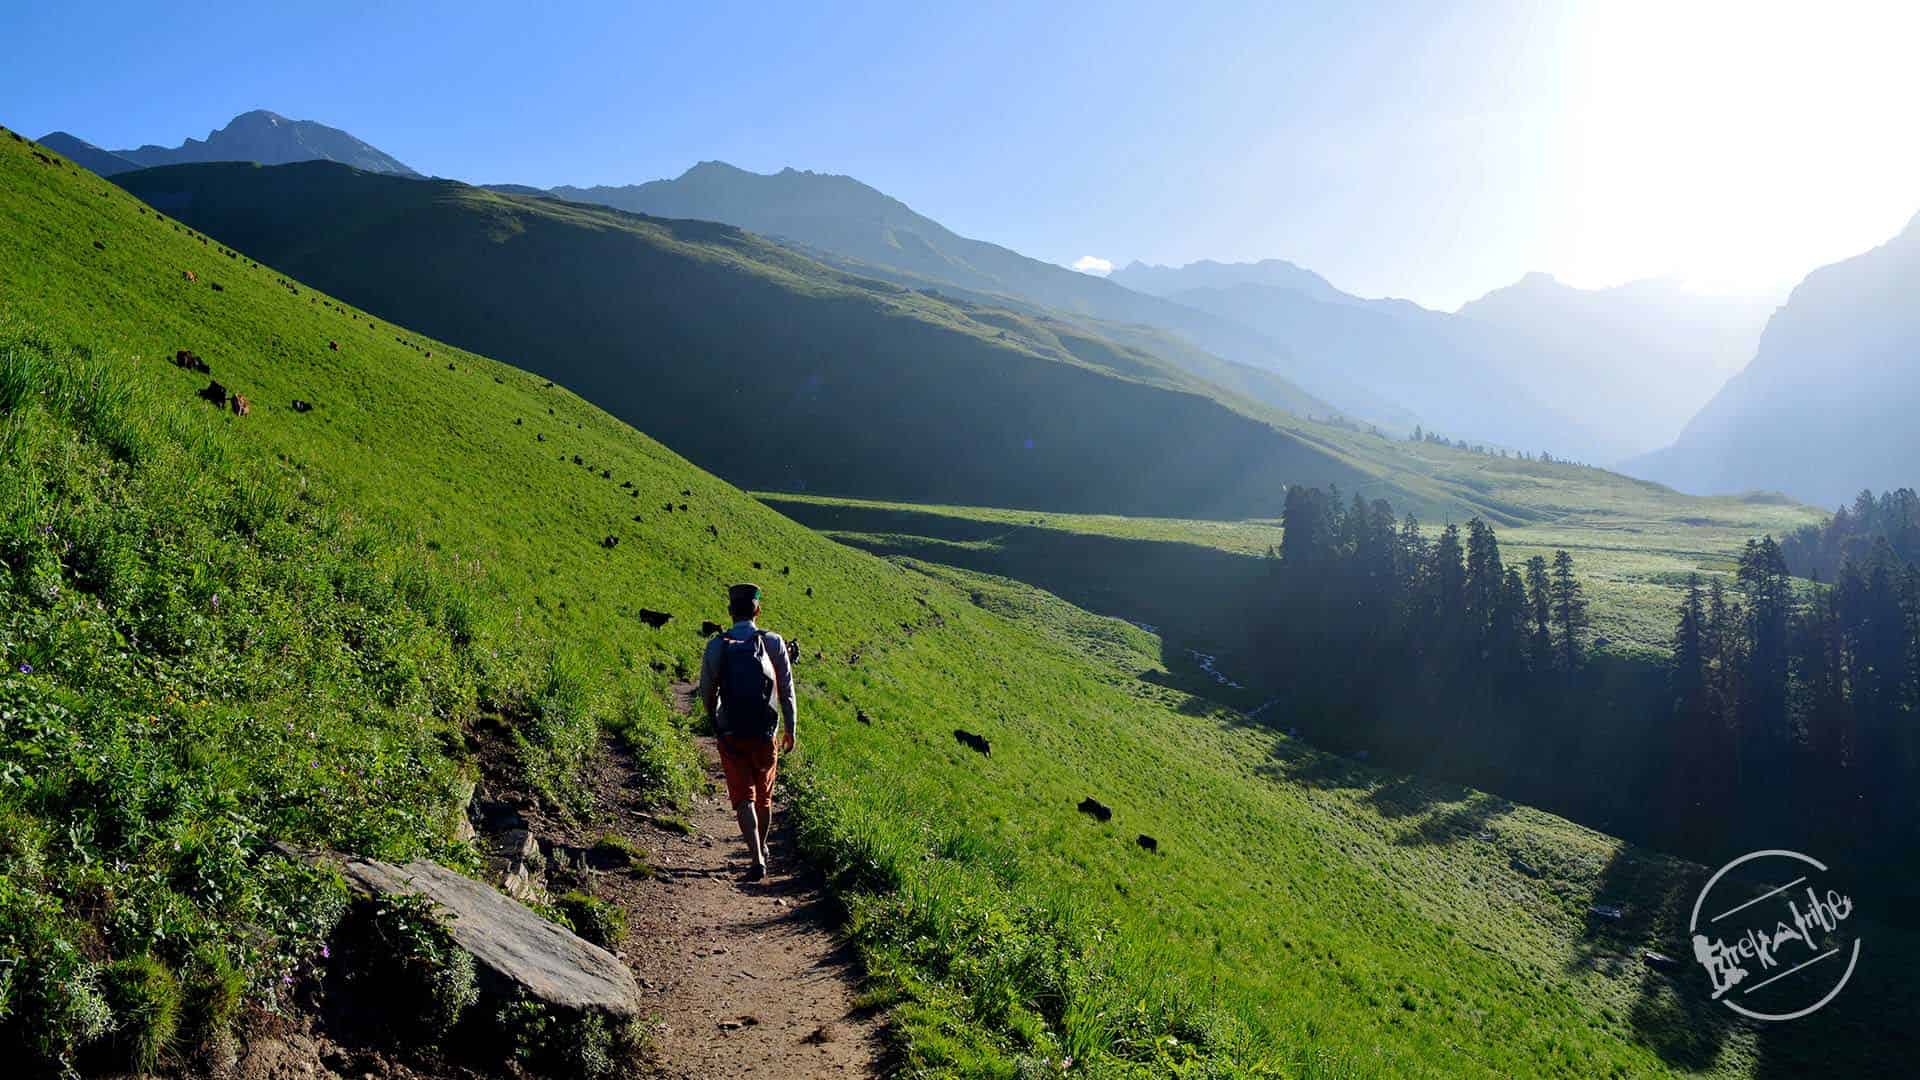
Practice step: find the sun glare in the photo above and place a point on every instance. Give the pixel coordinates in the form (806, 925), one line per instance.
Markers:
(1737, 145)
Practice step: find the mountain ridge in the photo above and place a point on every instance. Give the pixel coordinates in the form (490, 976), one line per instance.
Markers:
(1835, 366)
(258, 135)
(846, 369)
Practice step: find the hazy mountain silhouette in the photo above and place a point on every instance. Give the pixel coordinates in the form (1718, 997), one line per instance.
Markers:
(1827, 405)
(1536, 365)
(1208, 274)
(841, 220)
(259, 136)
(1635, 361)
(1458, 376)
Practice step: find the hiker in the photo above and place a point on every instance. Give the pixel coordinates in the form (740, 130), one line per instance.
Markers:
(746, 683)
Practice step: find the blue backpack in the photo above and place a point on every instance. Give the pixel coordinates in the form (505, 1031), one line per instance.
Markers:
(748, 706)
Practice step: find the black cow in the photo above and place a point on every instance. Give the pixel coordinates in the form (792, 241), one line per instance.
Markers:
(655, 619)
(302, 406)
(861, 715)
(1147, 842)
(215, 393)
(977, 743)
(1096, 808)
(709, 628)
(610, 542)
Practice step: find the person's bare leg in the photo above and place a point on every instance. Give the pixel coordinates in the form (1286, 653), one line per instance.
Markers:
(766, 823)
(750, 832)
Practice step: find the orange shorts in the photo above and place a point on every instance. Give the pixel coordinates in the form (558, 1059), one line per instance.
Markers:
(749, 765)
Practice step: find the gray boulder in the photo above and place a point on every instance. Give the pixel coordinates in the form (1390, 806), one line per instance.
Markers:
(514, 948)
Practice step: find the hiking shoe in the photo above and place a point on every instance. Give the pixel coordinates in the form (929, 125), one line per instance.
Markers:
(756, 871)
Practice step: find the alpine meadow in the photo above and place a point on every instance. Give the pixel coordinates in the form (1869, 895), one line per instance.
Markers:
(997, 611)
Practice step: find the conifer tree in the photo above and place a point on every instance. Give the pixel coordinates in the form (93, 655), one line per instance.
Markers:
(1569, 610)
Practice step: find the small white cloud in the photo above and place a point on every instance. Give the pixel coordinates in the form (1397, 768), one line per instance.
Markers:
(1093, 264)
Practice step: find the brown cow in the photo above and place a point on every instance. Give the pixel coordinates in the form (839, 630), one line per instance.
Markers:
(241, 406)
(191, 277)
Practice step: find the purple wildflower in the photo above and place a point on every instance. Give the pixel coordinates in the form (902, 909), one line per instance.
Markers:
(26, 669)
(326, 953)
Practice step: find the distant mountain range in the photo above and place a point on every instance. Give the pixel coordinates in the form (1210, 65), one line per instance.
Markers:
(1828, 405)
(842, 221)
(771, 369)
(1600, 375)
(1538, 365)
(259, 136)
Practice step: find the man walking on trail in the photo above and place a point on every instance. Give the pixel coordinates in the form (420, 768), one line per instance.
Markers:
(746, 683)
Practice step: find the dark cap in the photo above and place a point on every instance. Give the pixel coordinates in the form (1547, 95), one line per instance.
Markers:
(743, 594)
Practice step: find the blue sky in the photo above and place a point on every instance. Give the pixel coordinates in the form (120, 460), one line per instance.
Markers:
(1425, 150)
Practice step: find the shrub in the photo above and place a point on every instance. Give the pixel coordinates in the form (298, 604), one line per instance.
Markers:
(429, 981)
(594, 919)
(146, 1000)
(566, 1044)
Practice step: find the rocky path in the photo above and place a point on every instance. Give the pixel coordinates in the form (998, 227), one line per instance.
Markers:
(744, 979)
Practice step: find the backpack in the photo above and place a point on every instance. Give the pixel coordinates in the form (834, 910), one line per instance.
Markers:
(747, 688)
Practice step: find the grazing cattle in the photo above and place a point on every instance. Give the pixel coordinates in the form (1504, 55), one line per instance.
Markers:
(756, 565)
(809, 592)
(302, 406)
(190, 276)
(708, 628)
(686, 491)
(517, 421)
(241, 406)
(626, 483)
(1147, 842)
(610, 542)
(793, 650)
(450, 366)
(606, 474)
(215, 393)
(539, 438)
(861, 715)
(576, 459)
(668, 507)
(100, 245)
(216, 286)
(655, 619)
(637, 519)
(977, 743)
(334, 345)
(1096, 808)
(786, 570)
(191, 361)
(683, 506)
(711, 529)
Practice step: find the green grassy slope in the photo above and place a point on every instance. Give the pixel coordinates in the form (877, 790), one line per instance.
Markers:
(1635, 543)
(695, 332)
(1304, 917)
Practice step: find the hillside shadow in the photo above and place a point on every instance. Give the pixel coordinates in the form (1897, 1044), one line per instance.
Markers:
(1654, 895)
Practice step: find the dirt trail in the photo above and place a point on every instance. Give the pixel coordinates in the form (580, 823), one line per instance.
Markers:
(743, 979)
